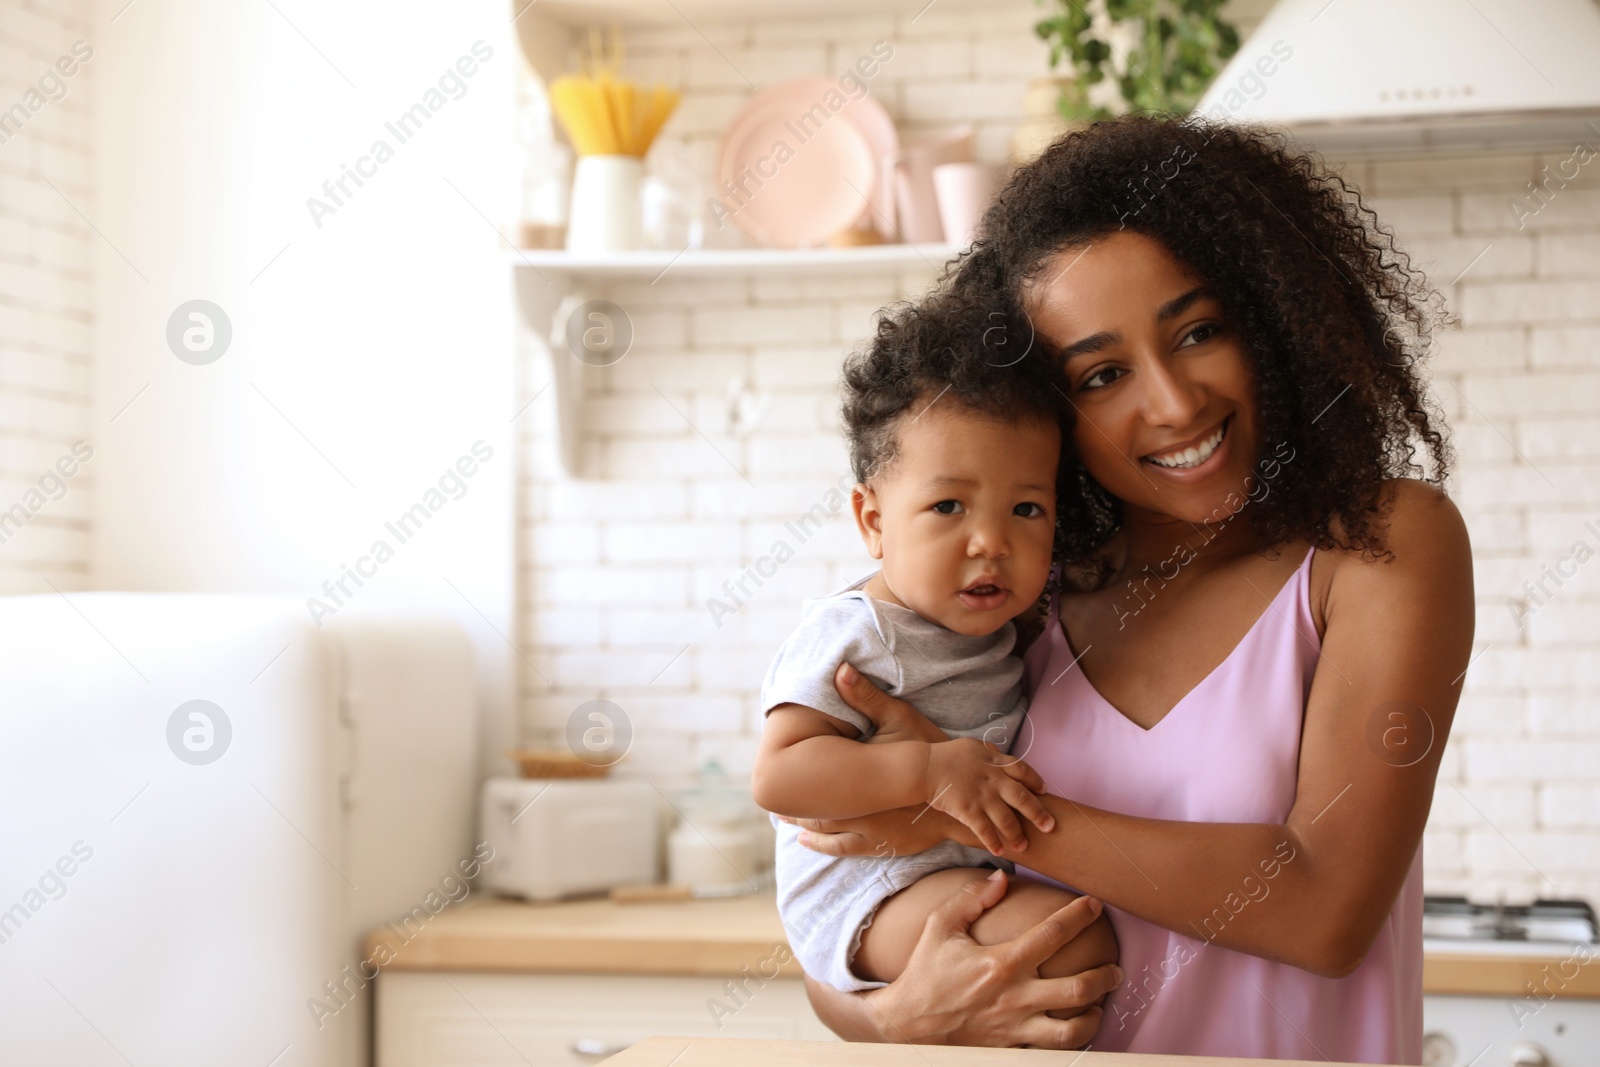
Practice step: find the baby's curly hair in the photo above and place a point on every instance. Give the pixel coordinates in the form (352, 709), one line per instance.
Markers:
(1333, 316)
(948, 350)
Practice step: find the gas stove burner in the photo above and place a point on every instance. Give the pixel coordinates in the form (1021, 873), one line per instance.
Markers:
(1547, 921)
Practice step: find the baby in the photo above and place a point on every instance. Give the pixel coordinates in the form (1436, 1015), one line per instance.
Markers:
(954, 443)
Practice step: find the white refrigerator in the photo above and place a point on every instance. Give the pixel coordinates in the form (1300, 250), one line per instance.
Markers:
(204, 803)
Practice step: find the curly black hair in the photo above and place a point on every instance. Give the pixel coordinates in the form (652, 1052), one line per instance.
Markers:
(950, 350)
(1333, 316)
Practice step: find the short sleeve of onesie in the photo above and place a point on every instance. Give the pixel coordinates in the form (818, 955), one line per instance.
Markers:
(831, 631)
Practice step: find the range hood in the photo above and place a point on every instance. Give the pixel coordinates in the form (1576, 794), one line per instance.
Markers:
(1373, 77)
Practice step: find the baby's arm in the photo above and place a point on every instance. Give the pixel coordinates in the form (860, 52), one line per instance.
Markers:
(810, 766)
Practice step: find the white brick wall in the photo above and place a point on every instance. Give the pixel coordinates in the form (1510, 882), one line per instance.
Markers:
(1515, 810)
(618, 567)
(45, 256)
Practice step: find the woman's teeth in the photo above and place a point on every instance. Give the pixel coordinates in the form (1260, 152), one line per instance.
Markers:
(1192, 457)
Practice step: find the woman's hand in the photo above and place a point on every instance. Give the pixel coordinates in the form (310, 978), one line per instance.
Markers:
(894, 719)
(954, 991)
(903, 831)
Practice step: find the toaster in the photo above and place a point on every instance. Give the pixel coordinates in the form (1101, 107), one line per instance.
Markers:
(564, 837)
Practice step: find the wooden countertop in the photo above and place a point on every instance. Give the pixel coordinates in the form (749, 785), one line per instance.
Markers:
(720, 937)
(690, 937)
(734, 1052)
(1513, 975)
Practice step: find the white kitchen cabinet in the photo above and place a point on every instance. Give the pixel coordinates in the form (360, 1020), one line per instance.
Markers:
(442, 1019)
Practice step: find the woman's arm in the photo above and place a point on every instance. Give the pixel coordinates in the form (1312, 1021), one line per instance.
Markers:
(956, 992)
(1314, 891)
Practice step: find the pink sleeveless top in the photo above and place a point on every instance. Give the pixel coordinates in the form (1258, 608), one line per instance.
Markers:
(1227, 752)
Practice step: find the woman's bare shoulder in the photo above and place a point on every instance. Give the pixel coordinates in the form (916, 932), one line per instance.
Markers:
(1410, 497)
(1424, 536)
(1415, 516)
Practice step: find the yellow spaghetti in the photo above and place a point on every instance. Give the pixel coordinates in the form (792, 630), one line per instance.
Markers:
(604, 115)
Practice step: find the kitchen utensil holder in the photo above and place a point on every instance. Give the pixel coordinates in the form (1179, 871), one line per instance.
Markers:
(605, 214)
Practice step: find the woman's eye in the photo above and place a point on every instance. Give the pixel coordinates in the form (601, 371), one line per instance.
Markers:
(948, 507)
(1029, 510)
(1201, 333)
(1102, 377)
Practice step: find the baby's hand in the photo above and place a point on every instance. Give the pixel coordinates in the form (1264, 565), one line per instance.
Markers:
(980, 785)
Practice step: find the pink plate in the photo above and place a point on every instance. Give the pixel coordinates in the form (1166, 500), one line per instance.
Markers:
(802, 161)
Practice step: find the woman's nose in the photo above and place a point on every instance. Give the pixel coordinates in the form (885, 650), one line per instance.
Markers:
(1171, 397)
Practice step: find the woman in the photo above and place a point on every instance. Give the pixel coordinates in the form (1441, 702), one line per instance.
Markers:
(1247, 677)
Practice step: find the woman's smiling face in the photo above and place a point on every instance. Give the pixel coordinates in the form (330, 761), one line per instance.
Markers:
(1164, 397)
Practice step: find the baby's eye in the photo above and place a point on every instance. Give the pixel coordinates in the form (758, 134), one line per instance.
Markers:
(948, 507)
(1029, 510)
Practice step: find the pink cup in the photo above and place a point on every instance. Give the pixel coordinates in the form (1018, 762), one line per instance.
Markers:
(964, 191)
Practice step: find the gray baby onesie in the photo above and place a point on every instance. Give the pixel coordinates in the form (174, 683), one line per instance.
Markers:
(969, 686)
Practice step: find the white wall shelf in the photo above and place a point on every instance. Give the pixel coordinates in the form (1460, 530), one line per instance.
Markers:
(582, 12)
(545, 277)
(701, 262)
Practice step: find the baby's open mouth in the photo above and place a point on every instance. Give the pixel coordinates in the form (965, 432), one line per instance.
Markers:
(985, 594)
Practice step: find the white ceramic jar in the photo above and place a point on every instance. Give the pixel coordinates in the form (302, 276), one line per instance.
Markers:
(718, 840)
(604, 215)
(706, 854)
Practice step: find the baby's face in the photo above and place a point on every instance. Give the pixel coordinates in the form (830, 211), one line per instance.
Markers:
(964, 518)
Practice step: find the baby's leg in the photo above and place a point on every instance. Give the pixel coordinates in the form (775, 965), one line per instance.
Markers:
(897, 926)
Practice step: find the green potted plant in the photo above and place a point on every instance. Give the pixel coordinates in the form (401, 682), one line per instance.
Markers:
(1177, 47)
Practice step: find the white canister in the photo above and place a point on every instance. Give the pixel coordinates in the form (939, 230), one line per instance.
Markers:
(705, 853)
(604, 215)
(964, 191)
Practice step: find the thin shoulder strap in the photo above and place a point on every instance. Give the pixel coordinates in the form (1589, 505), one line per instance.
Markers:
(1052, 590)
